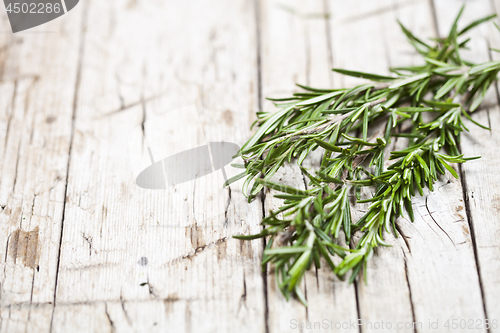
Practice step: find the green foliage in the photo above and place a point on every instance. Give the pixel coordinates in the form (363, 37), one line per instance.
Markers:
(431, 100)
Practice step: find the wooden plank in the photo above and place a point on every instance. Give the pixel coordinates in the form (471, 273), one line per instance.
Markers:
(38, 75)
(399, 303)
(423, 291)
(295, 49)
(440, 220)
(480, 177)
(134, 259)
(361, 42)
(124, 243)
(281, 32)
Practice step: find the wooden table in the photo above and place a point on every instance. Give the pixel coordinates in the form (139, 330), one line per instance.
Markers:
(86, 250)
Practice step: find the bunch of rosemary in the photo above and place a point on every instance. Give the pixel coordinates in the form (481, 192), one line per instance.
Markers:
(430, 99)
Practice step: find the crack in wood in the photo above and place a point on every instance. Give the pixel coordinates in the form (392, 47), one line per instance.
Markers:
(196, 251)
(243, 297)
(122, 303)
(111, 323)
(226, 221)
(405, 238)
(88, 239)
(439, 226)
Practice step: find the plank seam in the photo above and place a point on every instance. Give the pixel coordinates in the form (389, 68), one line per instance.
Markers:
(472, 235)
(467, 205)
(409, 296)
(258, 37)
(468, 210)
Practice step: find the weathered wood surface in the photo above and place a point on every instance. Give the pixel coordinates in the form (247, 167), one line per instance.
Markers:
(86, 250)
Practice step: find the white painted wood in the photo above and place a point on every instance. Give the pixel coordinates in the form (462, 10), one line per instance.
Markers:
(361, 42)
(136, 260)
(480, 177)
(125, 243)
(295, 49)
(386, 295)
(440, 220)
(37, 86)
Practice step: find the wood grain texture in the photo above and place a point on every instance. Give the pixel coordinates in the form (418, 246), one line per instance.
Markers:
(478, 177)
(440, 220)
(86, 250)
(385, 296)
(123, 243)
(38, 86)
(300, 28)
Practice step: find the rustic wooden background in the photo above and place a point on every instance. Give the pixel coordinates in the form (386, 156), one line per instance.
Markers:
(85, 250)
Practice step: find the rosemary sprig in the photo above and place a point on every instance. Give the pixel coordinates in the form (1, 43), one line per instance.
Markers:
(431, 99)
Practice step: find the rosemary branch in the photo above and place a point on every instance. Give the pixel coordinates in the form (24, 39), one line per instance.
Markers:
(315, 221)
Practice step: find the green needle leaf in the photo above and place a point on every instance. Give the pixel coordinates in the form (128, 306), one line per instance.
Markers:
(369, 76)
(281, 187)
(409, 80)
